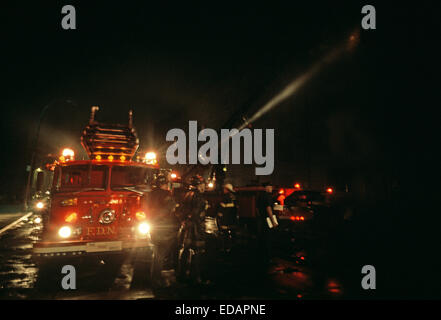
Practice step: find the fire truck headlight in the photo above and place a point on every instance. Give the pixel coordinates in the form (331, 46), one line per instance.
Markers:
(40, 205)
(144, 228)
(65, 232)
(37, 220)
(150, 158)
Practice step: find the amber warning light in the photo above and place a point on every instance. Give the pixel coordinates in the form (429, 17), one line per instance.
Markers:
(67, 155)
(150, 158)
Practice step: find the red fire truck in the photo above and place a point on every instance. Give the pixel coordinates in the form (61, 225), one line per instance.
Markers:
(97, 206)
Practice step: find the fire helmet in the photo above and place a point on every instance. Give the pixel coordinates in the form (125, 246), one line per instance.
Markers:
(229, 187)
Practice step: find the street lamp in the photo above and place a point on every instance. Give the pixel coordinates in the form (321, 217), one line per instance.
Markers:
(34, 147)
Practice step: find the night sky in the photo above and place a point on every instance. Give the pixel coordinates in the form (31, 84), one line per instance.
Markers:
(368, 120)
(371, 113)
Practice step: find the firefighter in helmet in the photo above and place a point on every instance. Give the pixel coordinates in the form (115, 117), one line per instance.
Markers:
(265, 229)
(165, 228)
(227, 216)
(191, 234)
(227, 212)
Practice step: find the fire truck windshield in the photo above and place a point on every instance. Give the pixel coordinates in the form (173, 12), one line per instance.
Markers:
(81, 177)
(125, 176)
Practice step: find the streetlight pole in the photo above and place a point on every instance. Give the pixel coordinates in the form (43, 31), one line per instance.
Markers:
(34, 149)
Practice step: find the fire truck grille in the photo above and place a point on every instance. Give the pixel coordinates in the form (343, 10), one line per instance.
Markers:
(107, 216)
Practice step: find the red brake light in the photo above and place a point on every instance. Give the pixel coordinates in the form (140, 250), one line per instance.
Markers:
(329, 190)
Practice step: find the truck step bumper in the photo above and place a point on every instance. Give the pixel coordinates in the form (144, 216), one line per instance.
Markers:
(51, 249)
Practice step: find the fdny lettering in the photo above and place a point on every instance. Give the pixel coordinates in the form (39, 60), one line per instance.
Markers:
(100, 231)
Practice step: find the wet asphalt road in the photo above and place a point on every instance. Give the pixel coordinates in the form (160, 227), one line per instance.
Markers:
(296, 272)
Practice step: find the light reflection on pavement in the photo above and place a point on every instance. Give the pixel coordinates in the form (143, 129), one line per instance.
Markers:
(286, 278)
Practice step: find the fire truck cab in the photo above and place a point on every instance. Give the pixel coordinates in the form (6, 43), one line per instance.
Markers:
(98, 206)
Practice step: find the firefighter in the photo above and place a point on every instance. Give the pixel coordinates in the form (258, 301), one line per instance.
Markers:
(264, 229)
(165, 228)
(192, 231)
(227, 212)
(227, 215)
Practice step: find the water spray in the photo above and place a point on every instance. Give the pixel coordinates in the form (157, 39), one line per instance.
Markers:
(296, 84)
